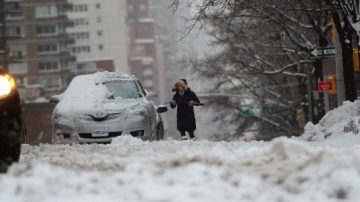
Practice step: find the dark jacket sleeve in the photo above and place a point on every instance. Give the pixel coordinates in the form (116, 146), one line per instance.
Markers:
(194, 97)
(171, 104)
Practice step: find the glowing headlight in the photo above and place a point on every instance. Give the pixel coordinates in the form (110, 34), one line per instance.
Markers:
(7, 84)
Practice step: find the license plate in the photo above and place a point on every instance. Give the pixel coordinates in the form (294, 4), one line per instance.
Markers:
(100, 132)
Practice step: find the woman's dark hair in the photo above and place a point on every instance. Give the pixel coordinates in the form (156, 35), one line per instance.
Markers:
(184, 80)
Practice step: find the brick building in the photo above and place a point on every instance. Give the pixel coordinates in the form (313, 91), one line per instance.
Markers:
(146, 60)
(37, 43)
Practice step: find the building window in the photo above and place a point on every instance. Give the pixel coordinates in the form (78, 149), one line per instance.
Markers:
(48, 48)
(98, 6)
(80, 8)
(80, 35)
(85, 67)
(52, 83)
(48, 66)
(81, 66)
(18, 68)
(98, 19)
(80, 49)
(101, 47)
(46, 29)
(17, 50)
(80, 21)
(100, 33)
(46, 11)
(15, 31)
(13, 10)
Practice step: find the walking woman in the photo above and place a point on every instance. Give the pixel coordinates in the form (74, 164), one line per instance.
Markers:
(185, 99)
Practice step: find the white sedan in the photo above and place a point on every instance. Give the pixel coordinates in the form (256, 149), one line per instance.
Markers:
(98, 107)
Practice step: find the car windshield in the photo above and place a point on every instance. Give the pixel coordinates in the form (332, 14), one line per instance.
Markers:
(124, 89)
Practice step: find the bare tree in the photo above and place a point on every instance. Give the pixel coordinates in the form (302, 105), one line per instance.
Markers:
(264, 55)
(345, 29)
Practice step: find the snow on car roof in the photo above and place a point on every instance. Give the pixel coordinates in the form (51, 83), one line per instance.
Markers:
(86, 91)
(102, 77)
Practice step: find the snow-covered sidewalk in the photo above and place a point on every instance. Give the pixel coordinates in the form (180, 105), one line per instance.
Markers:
(321, 166)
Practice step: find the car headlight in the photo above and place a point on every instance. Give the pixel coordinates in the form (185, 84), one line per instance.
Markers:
(63, 127)
(7, 84)
(141, 112)
(62, 121)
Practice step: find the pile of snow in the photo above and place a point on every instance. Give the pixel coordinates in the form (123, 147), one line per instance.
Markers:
(327, 169)
(340, 123)
(126, 140)
(201, 171)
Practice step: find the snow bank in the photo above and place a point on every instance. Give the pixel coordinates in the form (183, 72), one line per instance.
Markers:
(131, 170)
(327, 169)
(342, 123)
(127, 140)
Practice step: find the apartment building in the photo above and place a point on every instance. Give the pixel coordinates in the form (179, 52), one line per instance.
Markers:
(37, 44)
(100, 34)
(146, 59)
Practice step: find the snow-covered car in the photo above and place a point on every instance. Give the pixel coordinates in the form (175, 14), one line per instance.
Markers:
(10, 121)
(98, 107)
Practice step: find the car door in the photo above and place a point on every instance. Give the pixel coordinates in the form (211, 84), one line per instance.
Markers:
(150, 107)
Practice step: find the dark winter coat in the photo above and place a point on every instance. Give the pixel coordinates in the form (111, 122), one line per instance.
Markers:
(185, 113)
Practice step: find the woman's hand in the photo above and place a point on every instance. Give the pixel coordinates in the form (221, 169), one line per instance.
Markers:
(173, 104)
(192, 103)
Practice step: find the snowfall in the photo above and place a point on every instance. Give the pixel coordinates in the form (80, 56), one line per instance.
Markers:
(323, 165)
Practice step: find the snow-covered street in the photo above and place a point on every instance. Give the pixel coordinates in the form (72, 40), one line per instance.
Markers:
(132, 170)
(179, 101)
(327, 168)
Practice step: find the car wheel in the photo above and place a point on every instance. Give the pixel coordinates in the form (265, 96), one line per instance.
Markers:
(160, 131)
(10, 143)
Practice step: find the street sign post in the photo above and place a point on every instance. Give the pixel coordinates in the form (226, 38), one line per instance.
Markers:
(328, 51)
(325, 85)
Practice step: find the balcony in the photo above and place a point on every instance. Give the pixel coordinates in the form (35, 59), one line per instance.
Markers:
(18, 68)
(13, 10)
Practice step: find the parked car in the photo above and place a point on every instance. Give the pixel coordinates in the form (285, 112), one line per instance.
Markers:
(98, 107)
(10, 121)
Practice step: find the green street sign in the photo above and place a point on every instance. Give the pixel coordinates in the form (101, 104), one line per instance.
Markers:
(324, 52)
(247, 112)
(265, 110)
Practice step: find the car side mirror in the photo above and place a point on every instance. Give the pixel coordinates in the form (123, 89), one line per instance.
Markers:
(56, 98)
(162, 109)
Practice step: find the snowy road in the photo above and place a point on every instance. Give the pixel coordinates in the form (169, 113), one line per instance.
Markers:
(132, 170)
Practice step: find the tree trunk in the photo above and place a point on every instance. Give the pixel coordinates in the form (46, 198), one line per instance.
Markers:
(345, 37)
(349, 79)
